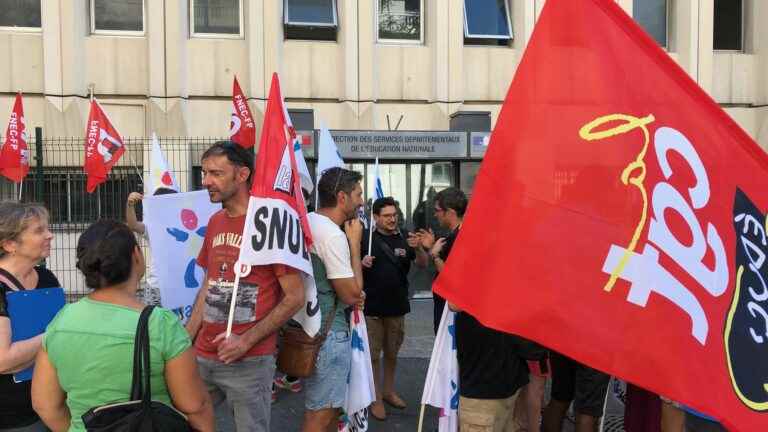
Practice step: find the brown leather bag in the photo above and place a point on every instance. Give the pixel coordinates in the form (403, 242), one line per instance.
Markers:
(298, 351)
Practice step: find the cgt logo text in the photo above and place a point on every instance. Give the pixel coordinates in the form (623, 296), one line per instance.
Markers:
(643, 270)
(746, 329)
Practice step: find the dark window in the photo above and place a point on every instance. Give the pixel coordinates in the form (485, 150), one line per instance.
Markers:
(486, 19)
(310, 19)
(117, 15)
(20, 13)
(652, 16)
(728, 33)
(216, 17)
(67, 201)
(400, 20)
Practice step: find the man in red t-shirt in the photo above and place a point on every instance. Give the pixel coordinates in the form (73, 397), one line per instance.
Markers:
(238, 369)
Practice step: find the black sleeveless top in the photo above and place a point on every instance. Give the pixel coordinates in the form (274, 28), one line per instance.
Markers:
(15, 399)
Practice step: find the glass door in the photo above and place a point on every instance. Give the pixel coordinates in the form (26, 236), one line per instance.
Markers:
(413, 185)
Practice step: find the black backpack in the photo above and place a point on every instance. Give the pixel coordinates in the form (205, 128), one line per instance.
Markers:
(140, 413)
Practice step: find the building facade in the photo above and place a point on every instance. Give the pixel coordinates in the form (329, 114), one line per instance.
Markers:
(167, 66)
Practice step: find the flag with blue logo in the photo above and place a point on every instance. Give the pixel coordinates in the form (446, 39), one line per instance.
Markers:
(361, 391)
(378, 191)
(176, 225)
(441, 389)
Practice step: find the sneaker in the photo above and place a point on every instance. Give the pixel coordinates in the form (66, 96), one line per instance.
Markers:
(283, 383)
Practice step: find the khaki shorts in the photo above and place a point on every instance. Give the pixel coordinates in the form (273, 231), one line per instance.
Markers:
(487, 415)
(385, 334)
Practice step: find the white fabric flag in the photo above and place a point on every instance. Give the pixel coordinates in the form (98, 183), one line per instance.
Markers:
(441, 389)
(301, 165)
(176, 225)
(361, 391)
(327, 153)
(160, 176)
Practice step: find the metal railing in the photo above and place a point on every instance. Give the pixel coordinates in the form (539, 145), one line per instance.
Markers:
(57, 180)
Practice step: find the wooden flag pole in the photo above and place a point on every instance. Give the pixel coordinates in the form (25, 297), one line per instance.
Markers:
(421, 417)
(233, 302)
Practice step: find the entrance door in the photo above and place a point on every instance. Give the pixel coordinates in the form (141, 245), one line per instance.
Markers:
(413, 185)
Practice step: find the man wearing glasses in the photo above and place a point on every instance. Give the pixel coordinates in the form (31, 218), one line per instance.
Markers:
(450, 205)
(385, 274)
(238, 369)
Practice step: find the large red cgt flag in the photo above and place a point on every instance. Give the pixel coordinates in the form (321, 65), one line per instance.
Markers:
(241, 127)
(103, 147)
(619, 218)
(14, 156)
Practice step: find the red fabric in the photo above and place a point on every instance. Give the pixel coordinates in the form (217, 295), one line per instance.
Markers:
(103, 147)
(218, 255)
(276, 135)
(241, 127)
(14, 156)
(549, 211)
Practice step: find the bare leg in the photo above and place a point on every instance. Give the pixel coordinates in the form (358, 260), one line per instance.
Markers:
(672, 418)
(586, 423)
(554, 414)
(534, 395)
(320, 420)
(390, 363)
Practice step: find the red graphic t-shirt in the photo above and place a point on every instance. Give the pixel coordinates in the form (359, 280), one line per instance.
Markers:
(258, 293)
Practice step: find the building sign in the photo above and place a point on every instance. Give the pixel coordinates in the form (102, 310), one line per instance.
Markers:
(478, 143)
(400, 145)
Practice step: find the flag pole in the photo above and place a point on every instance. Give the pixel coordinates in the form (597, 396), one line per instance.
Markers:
(135, 167)
(233, 302)
(372, 224)
(421, 417)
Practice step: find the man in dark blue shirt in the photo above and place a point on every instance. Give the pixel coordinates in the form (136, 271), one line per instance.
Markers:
(385, 281)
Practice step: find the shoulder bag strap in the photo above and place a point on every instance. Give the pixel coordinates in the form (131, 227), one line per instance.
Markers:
(388, 251)
(8, 279)
(141, 373)
(328, 321)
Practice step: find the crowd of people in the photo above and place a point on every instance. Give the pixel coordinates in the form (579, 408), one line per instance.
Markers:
(82, 359)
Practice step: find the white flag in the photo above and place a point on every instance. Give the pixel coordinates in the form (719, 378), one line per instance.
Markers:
(301, 165)
(159, 174)
(176, 225)
(441, 389)
(327, 153)
(361, 391)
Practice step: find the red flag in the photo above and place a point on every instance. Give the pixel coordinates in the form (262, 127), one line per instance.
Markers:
(103, 147)
(14, 156)
(276, 174)
(241, 127)
(276, 229)
(619, 218)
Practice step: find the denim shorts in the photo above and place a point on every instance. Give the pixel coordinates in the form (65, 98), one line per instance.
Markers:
(327, 387)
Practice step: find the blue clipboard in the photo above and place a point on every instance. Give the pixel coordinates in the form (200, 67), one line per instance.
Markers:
(30, 312)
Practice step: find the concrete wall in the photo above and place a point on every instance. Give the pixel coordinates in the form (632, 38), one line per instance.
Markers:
(177, 85)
